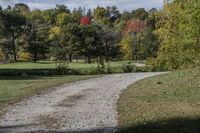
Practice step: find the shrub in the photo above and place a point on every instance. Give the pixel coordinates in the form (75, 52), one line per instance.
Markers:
(62, 69)
(129, 67)
(24, 55)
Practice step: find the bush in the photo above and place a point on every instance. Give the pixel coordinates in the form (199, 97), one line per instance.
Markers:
(129, 67)
(62, 69)
(24, 55)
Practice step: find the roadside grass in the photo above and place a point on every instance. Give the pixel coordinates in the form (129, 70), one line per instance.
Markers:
(168, 103)
(14, 89)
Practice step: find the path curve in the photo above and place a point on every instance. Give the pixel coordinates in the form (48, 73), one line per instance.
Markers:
(83, 106)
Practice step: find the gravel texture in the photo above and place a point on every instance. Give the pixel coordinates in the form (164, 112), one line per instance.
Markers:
(83, 106)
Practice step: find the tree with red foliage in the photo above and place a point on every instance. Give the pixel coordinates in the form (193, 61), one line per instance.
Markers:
(134, 27)
(85, 20)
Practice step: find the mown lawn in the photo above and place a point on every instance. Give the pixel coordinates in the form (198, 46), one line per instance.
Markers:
(168, 103)
(52, 65)
(46, 68)
(13, 89)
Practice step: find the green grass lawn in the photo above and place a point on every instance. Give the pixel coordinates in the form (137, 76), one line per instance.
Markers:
(168, 103)
(13, 89)
(52, 65)
(46, 68)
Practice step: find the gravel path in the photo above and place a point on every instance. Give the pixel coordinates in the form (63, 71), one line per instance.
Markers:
(83, 106)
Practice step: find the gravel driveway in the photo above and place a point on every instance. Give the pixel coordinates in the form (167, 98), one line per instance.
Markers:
(83, 106)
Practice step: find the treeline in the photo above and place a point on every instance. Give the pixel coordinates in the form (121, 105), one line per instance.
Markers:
(169, 38)
(64, 35)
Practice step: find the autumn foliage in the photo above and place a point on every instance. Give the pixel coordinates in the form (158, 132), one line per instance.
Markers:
(85, 20)
(135, 26)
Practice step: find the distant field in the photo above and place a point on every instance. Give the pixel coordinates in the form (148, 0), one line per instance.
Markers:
(13, 89)
(169, 103)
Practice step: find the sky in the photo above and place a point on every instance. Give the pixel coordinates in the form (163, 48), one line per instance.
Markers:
(123, 5)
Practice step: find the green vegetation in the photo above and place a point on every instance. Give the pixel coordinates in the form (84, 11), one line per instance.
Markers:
(45, 68)
(167, 103)
(177, 26)
(13, 89)
(63, 35)
(52, 65)
(169, 37)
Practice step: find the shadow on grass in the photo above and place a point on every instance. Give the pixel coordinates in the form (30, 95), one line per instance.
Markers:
(45, 62)
(21, 77)
(25, 72)
(176, 125)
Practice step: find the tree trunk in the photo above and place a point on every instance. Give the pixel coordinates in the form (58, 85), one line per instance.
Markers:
(14, 47)
(89, 59)
(35, 57)
(106, 51)
(70, 57)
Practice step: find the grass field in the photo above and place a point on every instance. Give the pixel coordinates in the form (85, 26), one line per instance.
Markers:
(52, 65)
(46, 68)
(13, 89)
(169, 103)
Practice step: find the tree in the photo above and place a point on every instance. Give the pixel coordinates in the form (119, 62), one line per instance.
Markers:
(135, 26)
(101, 16)
(65, 41)
(145, 44)
(178, 30)
(36, 41)
(126, 15)
(22, 8)
(85, 20)
(127, 48)
(91, 43)
(77, 14)
(140, 14)
(13, 24)
(114, 13)
(63, 19)
(50, 15)
(110, 38)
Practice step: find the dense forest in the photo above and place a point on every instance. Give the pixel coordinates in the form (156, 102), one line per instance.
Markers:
(168, 38)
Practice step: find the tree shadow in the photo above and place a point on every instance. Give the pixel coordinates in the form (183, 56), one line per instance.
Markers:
(27, 72)
(175, 125)
(39, 62)
(14, 126)
(20, 77)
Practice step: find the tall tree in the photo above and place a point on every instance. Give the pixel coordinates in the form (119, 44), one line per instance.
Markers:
(140, 13)
(178, 30)
(101, 16)
(13, 24)
(36, 39)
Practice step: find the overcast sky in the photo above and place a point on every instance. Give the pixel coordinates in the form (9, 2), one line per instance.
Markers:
(121, 4)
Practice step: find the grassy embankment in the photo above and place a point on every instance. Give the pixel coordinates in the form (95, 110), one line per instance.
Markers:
(168, 103)
(13, 89)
